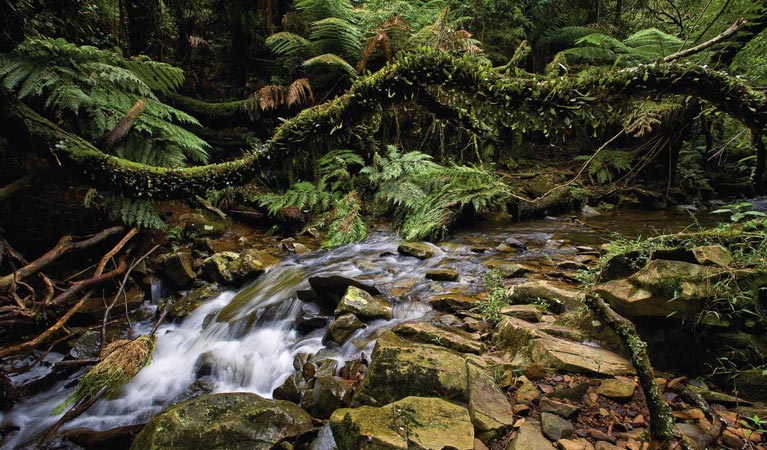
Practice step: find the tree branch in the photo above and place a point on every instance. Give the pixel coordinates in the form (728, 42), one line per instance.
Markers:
(723, 36)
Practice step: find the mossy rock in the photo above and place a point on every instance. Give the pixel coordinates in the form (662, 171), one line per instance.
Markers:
(193, 300)
(413, 423)
(753, 384)
(420, 250)
(400, 368)
(360, 303)
(232, 421)
(343, 327)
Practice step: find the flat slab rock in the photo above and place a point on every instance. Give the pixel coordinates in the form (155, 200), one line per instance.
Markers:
(452, 302)
(457, 340)
(413, 423)
(420, 250)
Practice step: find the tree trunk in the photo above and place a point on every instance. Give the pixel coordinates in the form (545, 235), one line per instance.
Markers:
(144, 28)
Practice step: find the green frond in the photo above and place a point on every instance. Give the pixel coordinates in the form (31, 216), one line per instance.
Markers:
(133, 212)
(331, 60)
(653, 43)
(289, 44)
(333, 32)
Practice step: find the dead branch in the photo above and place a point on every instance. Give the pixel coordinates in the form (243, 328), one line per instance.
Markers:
(207, 205)
(122, 266)
(82, 284)
(124, 126)
(64, 245)
(108, 309)
(10, 189)
(723, 36)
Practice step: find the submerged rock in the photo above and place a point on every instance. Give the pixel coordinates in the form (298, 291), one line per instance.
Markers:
(412, 423)
(193, 300)
(234, 421)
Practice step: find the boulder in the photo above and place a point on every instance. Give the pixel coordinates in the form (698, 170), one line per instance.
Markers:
(420, 250)
(457, 340)
(216, 267)
(236, 268)
(526, 392)
(343, 327)
(199, 225)
(178, 268)
(452, 302)
(442, 275)
(400, 368)
(292, 389)
(232, 421)
(662, 288)
(311, 318)
(511, 245)
(508, 269)
(412, 423)
(360, 303)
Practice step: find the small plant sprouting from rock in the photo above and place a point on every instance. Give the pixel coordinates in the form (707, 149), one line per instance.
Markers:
(497, 297)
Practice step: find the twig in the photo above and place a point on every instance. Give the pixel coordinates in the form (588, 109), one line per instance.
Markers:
(63, 320)
(64, 245)
(109, 307)
(207, 205)
(724, 35)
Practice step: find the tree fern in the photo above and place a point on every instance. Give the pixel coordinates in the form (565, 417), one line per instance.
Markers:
(329, 59)
(92, 89)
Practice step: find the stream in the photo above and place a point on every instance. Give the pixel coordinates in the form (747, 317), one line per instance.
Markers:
(249, 338)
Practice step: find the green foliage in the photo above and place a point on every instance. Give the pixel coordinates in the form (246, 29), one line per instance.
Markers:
(133, 212)
(91, 90)
(333, 200)
(606, 165)
(497, 297)
(427, 198)
(743, 214)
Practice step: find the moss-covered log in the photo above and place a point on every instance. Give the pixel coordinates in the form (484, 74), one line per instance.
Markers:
(214, 115)
(332, 123)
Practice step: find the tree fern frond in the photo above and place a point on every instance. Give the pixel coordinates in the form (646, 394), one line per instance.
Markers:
(331, 60)
(300, 93)
(289, 44)
(337, 32)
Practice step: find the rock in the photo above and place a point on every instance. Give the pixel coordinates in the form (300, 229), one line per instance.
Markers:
(199, 225)
(536, 371)
(523, 343)
(511, 245)
(452, 302)
(412, 423)
(420, 250)
(300, 248)
(343, 327)
(602, 445)
(571, 265)
(399, 368)
(178, 268)
(712, 255)
(526, 392)
(216, 267)
(489, 409)
(8, 394)
(530, 313)
(360, 303)
(558, 298)
(193, 300)
(250, 264)
(574, 444)
(94, 309)
(311, 318)
(292, 389)
(453, 339)
(87, 346)
(508, 269)
(752, 384)
(233, 421)
(330, 287)
(442, 275)
(617, 388)
(555, 427)
(620, 266)
(530, 437)
(561, 409)
(329, 394)
(660, 289)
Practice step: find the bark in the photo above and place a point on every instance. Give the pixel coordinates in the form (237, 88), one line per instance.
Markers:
(123, 126)
(723, 36)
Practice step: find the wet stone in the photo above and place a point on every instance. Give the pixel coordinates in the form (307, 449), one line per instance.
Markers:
(555, 427)
(442, 275)
(420, 250)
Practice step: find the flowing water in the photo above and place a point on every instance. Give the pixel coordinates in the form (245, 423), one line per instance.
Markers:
(249, 338)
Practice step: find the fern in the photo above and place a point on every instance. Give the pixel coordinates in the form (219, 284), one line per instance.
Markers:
(329, 59)
(92, 89)
(134, 212)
